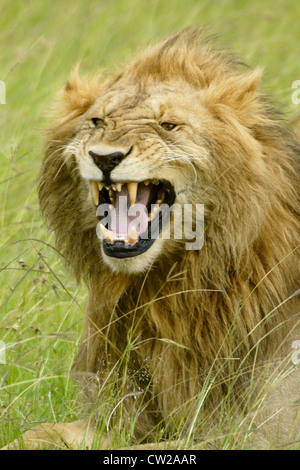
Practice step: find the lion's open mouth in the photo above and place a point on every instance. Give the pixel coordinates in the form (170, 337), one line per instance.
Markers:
(131, 214)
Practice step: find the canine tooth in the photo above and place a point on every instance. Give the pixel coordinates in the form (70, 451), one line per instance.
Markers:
(100, 186)
(132, 190)
(119, 187)
(159, 201)
(95, 193)
(132, 235)
(106, 233)
(111, 208)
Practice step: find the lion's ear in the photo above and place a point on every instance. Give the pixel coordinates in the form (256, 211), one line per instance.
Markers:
(241, 89)
(246, 85)
(238, 92)
(78, 94)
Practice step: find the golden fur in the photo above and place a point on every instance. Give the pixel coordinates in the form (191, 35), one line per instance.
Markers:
(176, 328)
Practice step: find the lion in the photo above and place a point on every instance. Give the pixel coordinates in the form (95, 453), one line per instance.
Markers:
(176, 335)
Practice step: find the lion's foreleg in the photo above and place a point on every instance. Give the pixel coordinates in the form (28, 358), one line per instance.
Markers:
(76, 435)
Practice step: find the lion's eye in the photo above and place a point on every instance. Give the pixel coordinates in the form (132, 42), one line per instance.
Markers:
(168, 126)
(96, 121)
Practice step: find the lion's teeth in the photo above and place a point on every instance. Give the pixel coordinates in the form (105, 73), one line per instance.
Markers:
(132, 191)
(146, 182)
(107, 234)
(132, 235)
(100, 186)
(111, 195)
(95, 193)
(119, 187)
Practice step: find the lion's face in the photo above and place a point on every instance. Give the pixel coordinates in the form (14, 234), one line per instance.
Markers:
(176, 129)
(138, 150)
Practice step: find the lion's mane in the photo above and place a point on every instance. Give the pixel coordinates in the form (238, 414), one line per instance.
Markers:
(197, 318)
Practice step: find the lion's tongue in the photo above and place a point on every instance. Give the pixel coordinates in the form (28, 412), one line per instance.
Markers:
(124, 217)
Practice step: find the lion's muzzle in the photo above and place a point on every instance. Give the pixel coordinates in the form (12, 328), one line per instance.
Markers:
(131, 214)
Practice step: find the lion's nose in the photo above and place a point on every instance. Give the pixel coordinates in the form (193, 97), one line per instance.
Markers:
(107, 158)
(107, 162)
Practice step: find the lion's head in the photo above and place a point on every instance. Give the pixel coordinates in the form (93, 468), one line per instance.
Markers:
(182, 125)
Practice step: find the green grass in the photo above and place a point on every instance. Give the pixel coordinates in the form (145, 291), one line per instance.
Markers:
(41, 308)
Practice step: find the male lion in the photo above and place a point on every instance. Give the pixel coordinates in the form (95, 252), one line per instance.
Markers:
(188, 343)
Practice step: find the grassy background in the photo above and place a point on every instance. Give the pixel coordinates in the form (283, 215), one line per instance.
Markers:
(40, 306)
